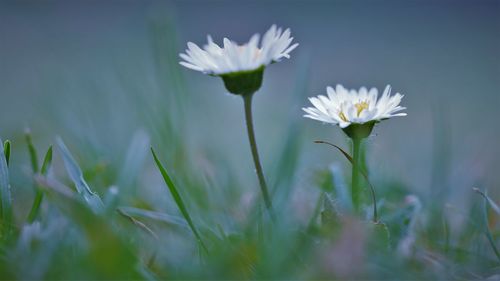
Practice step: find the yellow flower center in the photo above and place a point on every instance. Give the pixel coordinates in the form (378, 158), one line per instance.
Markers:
(342, 116)
(360, 106)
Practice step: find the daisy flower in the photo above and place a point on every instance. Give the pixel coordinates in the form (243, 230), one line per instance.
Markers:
(240, 66)
(345, 107)
(356, 112)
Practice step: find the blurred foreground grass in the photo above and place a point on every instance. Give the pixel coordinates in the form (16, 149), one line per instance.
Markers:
(106, 212)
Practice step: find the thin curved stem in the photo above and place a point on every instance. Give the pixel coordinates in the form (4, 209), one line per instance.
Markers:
(363, 172)
(356, 188)
(255, 154)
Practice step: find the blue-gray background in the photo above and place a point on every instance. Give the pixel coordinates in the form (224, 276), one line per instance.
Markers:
(92, 72)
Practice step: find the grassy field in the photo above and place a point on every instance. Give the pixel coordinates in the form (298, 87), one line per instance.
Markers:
(142, 170)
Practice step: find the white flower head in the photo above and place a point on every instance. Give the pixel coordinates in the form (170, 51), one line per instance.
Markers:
(344, 107)
(230, 58)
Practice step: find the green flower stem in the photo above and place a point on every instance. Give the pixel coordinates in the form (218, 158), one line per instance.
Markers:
(356, 187)
(255, 154)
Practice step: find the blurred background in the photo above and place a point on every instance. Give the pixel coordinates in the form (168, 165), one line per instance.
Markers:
(104, 76)
(95, 72)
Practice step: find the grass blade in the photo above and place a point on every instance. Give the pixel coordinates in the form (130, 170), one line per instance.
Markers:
(32, 152)
(5, 196)
(487, 231)
(156, 216)
(133, 163)
(6, 146)
(47, 162)
(372, 189)
(138, 223)
(492, 203)
(178, 199)
(136, 154)
(76, 175)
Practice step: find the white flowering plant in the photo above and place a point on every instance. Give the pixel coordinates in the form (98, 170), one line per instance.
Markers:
(153, 182)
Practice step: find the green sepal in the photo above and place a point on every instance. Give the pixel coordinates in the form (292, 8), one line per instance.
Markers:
(359, 131)
(243, 82)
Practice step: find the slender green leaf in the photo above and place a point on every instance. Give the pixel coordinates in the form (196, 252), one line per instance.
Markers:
(380, 237)
(5, 196)
(32, 152)
(35, 207)
(6, 146)
(156, 216)
(487, 231)
(492, 203)
(317, 211)
(132, 165)
(337, 147)
(58, 191)
(136, 154)
(372, 189)
(47, 162)
(329, 214)
(138, 223)
(287, 160)
(178, 199)
(76, 175)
